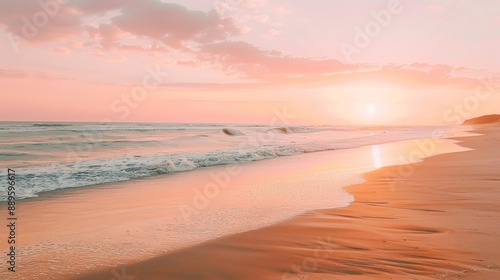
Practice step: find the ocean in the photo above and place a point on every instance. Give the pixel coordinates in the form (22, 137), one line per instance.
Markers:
(52, 156)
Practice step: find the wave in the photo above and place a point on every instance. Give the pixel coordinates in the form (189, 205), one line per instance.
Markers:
(232, 132)
(296, 130)
(224, 145)
(49, 124)
(282, 130)
(36, 179)
(14, 155)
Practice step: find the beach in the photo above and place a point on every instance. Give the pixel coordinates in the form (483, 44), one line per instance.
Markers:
(264, 219)
(249, 140)
(441, 222)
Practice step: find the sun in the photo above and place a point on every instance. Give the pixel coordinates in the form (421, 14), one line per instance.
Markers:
(371, 108)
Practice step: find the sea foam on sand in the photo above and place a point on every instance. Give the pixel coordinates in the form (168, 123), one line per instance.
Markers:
(115, 224)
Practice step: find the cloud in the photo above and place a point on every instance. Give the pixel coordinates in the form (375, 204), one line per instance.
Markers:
(110, 58)
(42, 21)
(253, 63)
(7, 73)
(99, 6)
(253, 4)
(217, 86)
(282, 10)
(107, 35)
(61, 50)
(260, 18)
(117, 59)
(46, 75)
(271, 33)
(417, 75)
(173, 24)
(198, 39)
(168, 23)
(250, 63)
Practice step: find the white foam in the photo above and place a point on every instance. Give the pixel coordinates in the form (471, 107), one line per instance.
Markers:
(178, 150)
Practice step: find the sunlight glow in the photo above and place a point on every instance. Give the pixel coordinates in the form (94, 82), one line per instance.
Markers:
(376, 156)
(371, 108)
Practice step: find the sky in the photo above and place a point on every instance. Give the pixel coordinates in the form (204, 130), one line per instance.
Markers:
(250, 61)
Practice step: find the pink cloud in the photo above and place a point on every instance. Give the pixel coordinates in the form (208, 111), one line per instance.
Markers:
(271, 33)
(117, 59)
(274, 67)
(173, 24)
(45, 75)
(61, 50)
(170, 24)
(398, 77)
(75, 45)
(252, 4)
(200, 38)
(107, 35)
(40, 21)
(254, 63)
(99, 6)
(261, 18)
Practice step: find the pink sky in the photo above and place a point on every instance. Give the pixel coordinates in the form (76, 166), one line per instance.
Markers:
(322, 61)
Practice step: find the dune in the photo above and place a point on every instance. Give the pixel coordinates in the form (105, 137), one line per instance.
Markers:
(487, 119)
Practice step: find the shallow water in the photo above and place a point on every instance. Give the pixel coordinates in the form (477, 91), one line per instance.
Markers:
(49, 156)
(117, 223)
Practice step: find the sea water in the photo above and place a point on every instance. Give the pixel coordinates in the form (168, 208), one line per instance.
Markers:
(51, 156)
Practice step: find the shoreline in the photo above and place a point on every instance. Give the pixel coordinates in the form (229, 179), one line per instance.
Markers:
(54, 192)
(121, 213)
(385, 232)
(119, 209)
(69, 191)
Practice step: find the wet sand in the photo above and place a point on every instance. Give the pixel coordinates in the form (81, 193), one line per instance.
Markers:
(439, 219)
(67, 233)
